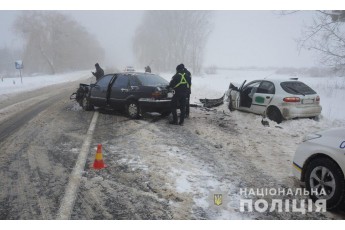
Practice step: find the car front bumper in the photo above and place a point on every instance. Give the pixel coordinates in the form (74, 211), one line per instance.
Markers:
(152, 105)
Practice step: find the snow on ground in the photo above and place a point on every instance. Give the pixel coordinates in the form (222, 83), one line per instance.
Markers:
(13, 85)
(269, 149)
(330, 89)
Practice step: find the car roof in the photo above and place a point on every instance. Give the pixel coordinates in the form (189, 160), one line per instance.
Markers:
(278, 80)
(135, 73)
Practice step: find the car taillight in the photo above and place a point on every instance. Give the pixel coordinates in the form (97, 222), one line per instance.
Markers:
(292, 99)
(317, 99)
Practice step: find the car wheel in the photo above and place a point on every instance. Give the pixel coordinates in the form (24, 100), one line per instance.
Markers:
(86, 104)
(315, 118)
(274, 114)
(133, 110)
(324, 176)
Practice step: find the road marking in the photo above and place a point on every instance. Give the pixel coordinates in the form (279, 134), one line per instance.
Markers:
(68, 200)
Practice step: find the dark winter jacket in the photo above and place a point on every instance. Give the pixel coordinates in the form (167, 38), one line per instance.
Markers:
(189, 80)
(147, 69)
(99, 72)
(178, 84)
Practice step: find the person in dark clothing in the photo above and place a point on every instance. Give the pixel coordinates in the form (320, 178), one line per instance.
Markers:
(147, 69)
(99, 72)
(189, 80)
(181, 87)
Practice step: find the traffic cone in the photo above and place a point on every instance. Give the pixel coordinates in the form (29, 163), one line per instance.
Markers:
(99, 163)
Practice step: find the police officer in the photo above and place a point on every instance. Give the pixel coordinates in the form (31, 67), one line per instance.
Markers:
(99, 72)
(181, 86)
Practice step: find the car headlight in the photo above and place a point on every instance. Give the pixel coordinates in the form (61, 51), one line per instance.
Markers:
(311, 137)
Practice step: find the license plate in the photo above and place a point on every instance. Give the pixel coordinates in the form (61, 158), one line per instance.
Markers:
(170, 95)
(308, 101)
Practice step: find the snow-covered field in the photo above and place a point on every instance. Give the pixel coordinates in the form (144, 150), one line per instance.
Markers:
(14, 85)
(330, 89)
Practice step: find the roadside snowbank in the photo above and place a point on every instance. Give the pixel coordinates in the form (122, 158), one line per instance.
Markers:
(14, 85)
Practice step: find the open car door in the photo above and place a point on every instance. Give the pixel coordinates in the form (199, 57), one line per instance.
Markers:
(262, 97)
(234, 96)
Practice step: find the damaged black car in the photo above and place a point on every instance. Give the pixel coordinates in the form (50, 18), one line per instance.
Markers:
(131, 92)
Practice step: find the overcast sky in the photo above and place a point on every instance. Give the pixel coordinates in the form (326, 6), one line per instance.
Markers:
(239, 38)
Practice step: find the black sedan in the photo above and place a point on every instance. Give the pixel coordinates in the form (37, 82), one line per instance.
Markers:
(132, 92)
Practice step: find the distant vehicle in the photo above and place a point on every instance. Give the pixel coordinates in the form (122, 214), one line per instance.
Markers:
(319, 162)
(132, 92)
(276, 99)
(129, 69)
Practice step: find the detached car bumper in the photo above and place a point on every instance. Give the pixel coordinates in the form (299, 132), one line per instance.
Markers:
(152, 105)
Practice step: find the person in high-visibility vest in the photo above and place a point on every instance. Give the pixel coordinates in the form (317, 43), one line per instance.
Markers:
(181, 86)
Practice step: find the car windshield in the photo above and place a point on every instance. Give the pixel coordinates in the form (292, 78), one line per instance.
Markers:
(152, 80)
(297, 87)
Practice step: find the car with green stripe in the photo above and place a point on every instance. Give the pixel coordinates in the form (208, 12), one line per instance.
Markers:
(276, 99)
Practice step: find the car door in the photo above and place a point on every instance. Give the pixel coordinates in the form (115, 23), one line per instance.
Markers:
(235, 96)
(99, 91)
(119, 91)
(262, 97)
(246, 95)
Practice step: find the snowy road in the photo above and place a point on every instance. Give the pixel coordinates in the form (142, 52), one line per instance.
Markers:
(158, 171)
(37, 151)
(155, 170)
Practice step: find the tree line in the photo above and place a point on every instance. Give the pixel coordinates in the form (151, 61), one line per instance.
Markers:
(165, 39)
(54, 43)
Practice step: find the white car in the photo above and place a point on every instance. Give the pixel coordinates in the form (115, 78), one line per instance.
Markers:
(275, 99)
(319, 163)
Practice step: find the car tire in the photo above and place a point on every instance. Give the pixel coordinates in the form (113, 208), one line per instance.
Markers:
(274, 114)
(85, 103)
(315, 118)
(133, 110)
(323, 170)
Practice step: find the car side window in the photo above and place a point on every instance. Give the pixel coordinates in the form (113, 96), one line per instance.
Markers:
(121, 82)
(134, 81)
(104, 81)
(266, 87)
(251, 88)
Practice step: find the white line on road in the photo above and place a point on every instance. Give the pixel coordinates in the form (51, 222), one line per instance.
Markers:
(68, 200)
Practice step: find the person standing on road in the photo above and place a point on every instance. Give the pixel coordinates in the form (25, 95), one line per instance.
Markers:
(189, 80)
(147, 69)
(181, 86)
(99, 72)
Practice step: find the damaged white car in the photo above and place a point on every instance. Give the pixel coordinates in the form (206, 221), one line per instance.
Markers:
(275, 99)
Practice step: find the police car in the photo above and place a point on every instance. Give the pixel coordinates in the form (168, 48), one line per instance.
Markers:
(319, 163)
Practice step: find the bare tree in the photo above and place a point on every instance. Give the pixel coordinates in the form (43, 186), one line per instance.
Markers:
(326, 36)
(167, 38)
(55, 42)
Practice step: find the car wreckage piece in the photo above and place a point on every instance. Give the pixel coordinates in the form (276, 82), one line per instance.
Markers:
(210, 103)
